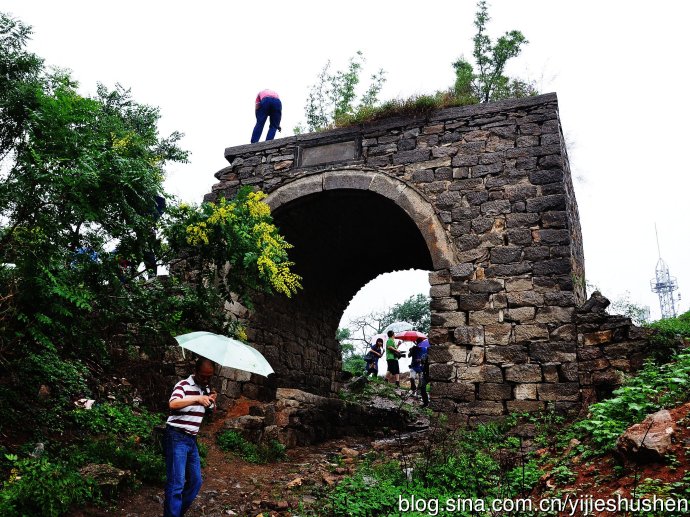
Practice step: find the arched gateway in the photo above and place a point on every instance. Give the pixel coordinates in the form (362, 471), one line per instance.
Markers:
(481, 196)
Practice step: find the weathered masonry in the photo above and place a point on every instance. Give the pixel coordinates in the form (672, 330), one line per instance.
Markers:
(480, 196)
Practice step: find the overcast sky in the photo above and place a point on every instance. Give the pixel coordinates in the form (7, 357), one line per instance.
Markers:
(618, 68)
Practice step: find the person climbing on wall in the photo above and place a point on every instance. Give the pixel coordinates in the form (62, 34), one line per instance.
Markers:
(267, 105)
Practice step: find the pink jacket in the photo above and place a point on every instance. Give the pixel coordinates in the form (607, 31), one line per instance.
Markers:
(265, 93)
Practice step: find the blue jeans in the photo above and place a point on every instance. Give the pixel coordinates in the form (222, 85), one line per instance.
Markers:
(183, 470)
(268, 107)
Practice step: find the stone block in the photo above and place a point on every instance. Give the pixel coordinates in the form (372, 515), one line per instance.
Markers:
(414, 155)
(564, 391)
(473, 335)
(483, 373)
(550, 372)
(329, 153)
(506, 254)
(439, 291)
(521, 220)
(492, 391)
(515, 354)
(560, 298)
(459, 391)
(568, 372)
(557, 219)
(441, 372)
(484, 407)
(234, 375)
(475, 356)
(525, 299)
(543, 177)
(554, 236)
(499, 206)
(506, 270)
(560, 266)
(546, 203)
(485, 286)
(520, 314)
(486, 317)
(564, 333)
(560, 352)
(461, 271)
(423, 176)
(449, 319)
(597, 338)
(524, 406)
(497, 333)
(528, 333)
(555, 314)
(520, 237)
(525, 392)
(522, 373)
(608, 378)
(472, 302)
(444, 304)
(518, 284)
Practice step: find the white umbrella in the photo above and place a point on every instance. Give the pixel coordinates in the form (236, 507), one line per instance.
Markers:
(225, 352)
(398, 326)
(378, 336)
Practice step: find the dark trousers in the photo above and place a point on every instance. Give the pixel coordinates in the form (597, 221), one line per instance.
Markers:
(272, 108)
(422, 388)
(183, 470)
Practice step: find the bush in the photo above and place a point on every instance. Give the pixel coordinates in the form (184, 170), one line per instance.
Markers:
(653, 388)
(483, 463)
(669, 336)
(39, 487)
(262, 453)
(117, 419)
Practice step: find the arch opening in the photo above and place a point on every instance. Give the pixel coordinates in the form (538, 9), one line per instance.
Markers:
(342, 238)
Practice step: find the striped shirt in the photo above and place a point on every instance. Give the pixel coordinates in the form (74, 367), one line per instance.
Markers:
(187, 418)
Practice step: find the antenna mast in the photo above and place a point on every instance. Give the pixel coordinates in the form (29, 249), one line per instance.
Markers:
(664, 285)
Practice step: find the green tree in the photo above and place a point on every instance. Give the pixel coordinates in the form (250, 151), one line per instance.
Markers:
(488, 82)
(79, 182)
(415, 310)
(332, 99)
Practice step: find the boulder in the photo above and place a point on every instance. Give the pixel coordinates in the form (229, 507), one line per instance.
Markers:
(650, 440)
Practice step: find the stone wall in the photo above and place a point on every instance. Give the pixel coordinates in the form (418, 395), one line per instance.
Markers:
(481, 196)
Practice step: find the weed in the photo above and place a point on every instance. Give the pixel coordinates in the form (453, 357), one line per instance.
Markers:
(262, 453)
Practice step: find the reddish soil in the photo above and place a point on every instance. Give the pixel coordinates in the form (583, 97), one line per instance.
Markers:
(610, 476)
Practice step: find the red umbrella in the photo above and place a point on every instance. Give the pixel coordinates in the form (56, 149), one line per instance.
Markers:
(410, 335)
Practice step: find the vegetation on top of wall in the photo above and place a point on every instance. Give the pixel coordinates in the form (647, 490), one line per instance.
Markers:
(330, 102)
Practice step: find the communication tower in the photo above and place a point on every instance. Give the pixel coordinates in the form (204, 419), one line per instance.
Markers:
(664, 285)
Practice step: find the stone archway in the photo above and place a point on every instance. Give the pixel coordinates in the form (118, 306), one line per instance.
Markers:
(367, 224)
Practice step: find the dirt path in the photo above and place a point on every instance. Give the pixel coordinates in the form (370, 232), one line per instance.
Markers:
(234, 487)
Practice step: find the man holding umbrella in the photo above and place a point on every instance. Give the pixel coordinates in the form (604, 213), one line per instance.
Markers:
(188, 403)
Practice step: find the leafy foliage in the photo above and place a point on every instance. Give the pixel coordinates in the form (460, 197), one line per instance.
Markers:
(331, 100)
(653, 388)
(670, 335)
(468, 464)
(488, 82)
(234, 244)
(81, 208)
(262, 453)
(41, 487)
